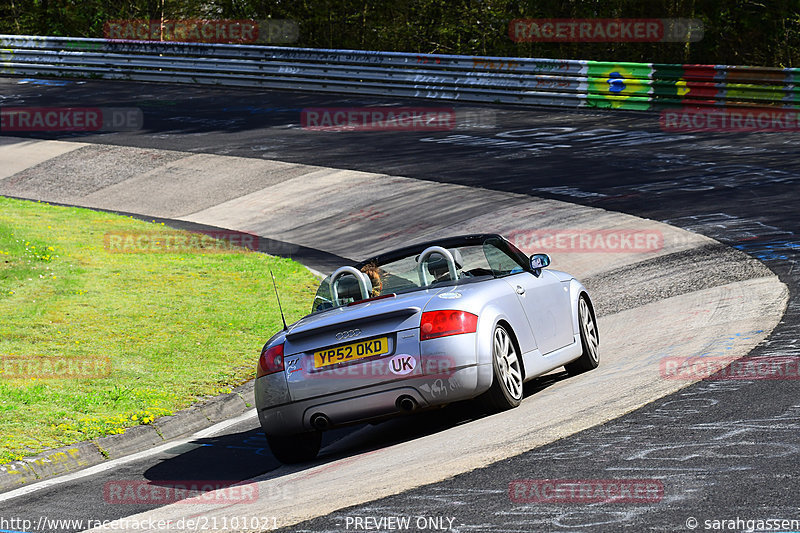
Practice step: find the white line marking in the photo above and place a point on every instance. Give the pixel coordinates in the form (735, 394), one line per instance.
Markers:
(109, 465)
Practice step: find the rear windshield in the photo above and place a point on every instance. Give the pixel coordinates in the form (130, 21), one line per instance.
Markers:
(493, 258)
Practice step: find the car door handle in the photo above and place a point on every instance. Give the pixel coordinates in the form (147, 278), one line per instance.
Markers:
(520, 289)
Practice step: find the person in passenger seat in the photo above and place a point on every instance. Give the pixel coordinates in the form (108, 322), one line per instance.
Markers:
(375, 275)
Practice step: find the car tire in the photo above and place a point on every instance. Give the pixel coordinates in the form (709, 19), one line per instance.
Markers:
(590, 340)
(506, 390)
(298, 448)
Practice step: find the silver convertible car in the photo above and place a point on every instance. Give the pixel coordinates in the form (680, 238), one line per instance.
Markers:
(421, 327)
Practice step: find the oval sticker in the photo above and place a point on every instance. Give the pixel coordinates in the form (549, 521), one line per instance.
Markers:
(450, 295)
(402, 364)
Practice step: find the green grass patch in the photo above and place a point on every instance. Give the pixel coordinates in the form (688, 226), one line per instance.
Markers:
(176, 327)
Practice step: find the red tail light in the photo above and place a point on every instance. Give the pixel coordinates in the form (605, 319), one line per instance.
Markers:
(443, 323)
(271, 361)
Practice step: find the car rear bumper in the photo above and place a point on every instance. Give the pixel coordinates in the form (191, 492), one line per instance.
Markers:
(280, 416)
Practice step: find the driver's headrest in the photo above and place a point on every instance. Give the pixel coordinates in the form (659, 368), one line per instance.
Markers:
(457, 258)
(347, 287)
(437, 264)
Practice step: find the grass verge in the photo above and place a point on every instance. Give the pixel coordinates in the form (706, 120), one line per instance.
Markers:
(161, 330)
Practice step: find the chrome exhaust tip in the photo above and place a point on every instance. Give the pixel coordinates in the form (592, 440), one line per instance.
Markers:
(406, 403)
(320, 422)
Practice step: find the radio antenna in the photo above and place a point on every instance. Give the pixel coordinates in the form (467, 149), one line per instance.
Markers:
(285, 328)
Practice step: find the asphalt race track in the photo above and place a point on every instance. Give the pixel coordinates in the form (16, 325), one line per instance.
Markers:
(722, 449)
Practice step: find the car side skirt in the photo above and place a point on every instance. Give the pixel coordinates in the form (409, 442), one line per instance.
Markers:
(537, 364)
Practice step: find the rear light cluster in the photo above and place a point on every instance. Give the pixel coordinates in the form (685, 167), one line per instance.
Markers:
(443, 323)
(271, 361)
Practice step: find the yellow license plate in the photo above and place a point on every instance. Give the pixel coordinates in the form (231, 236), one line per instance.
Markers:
(351, 352)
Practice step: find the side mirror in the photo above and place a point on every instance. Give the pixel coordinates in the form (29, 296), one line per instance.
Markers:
(538, 262)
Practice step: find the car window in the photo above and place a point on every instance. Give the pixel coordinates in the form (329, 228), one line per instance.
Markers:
(493, 258)
(502, 259)
(323, 299)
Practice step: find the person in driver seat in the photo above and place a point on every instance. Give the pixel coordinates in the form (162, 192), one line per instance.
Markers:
(437, 265)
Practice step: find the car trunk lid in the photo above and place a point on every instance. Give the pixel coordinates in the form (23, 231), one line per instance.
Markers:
(351, 347)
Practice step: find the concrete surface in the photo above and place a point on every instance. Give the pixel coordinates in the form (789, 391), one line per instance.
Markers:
(728, 308)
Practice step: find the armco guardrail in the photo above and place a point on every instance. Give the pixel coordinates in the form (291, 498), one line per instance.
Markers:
(531, 81)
